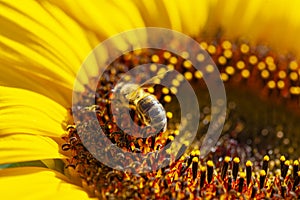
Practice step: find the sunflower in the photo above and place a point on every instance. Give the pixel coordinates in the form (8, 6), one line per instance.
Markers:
(255, 45)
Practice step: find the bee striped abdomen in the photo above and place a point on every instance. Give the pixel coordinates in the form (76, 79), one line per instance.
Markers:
(152, 112)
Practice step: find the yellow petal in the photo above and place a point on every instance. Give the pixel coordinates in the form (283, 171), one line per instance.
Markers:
(43, 44)
(23, 111)
(276, 23)
(103, 17)
(37, 183)
(22, 147)
(154, 13)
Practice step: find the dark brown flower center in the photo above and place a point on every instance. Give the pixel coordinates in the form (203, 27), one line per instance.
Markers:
(258, 82)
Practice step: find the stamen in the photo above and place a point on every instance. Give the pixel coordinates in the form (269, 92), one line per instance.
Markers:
(235, 168)
(248, 171)
(262, 178)
(210, 171)
(225, 167)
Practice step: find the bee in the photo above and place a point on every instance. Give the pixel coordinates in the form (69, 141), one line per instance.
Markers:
(149, 110)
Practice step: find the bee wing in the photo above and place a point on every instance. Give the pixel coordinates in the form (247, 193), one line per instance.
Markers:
(155, 79)
(128, 88)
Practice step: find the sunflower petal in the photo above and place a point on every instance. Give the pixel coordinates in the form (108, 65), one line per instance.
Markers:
(37, 183)
(23, 111)
(22, 147)
(105, 17)
(47, 55)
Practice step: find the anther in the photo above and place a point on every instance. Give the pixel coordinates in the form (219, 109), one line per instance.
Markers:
(285, 168)
(295, 168)
(266, 163)
(235, 168)
(248, 171)
(225, 167)
(282, 160)
(262, 178)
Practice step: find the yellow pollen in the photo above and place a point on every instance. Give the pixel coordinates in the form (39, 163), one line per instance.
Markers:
(271, 84)
(203, 45)
(173, 90)
(173, 60)
(155, 58)
(242, 174)
(200, 57)
(198, 74)
(265, 74)
(227, 53)
(253, 60)
(153, 67)
(211, 49)
(167, 55)
(161, 71)
(195, 159)
(287, 162)
(240, 64)
(272, 67)
(188, 75)
(224, 77)
(296, 162)
(244, 48)
(150, 89)
(269, 60)
(229, 70)
(226, 44)
(185, 55)
(281, 74)
(156, 81)
(280, 84)
(175, 83)
(266, 158)
(187, 64)
(180, 77)
(293, 65)
(294, 76)
(236, 160)
(262, 173)
(165, 90)
(261, 65)
(249, 163)
(227, 159)
(169, 115)
(167, 98)
(170, 67)
(282, 158)
(210, 163)
(209, 68)
(295, 90)
(222, 60)
(245, 73)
